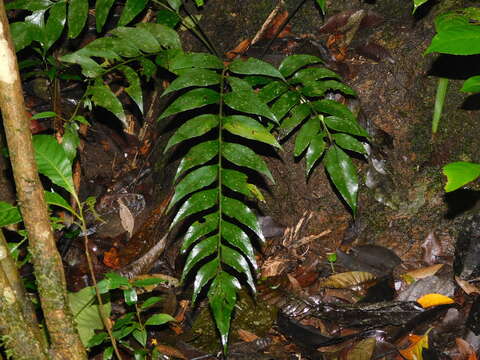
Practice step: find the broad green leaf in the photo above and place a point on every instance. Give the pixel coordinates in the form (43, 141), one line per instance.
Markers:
(193, 77)
(71, 140)
(236, 260)
(134, 88)
(140, 336)
(249, 128)
(292, 63)
(168, 18)
(236, 181)
(102, 9)
(417, 4)
(343, 174)
(313, 74)
(97, 339)
(23, 33)
(193, 181)
(462, 39)
(195, 60)
(167, 37)
(199, 252)
(44, 115)
(323, 5)
(175, 4)
(131, 9)
(248, 102)
(165, 57)
(244, 156)
(305, 135)
(348, 142)
(197, 155)
(271, 91)
(297, 115)
(130, 296)
(242, 213)
(148, 67)
(52, 161)
(138, 36)
(345, 125)
(257, 80)
(197, 126)
(32, 5)
(283, 105)
(53, 198)
(116, 281)
(222, 297)
(459, 174)
(86, 312)
(55, 24)
(124, 321)
(318, 88)
(77, 17)
(104, 97)
(108, 353)
(253, 66)
(148, 282)
(152, 300)
(238, 84)
(123, 332)
(192, 99)
(472, 84)
(9, 214)
(206, 273)
(237, 238)
(198, 229)
(199, 201)
(89, 67)
(110, 48)
(159, 319)
(335, 108)
(314, 151)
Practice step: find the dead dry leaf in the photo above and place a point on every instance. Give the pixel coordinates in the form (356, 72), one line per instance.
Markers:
(348, 279)
(467, 287)
(170, 351)
(273, 267)
(466, 351)
(424, 272)
(126, 217)
(246, 335)
(363, 350)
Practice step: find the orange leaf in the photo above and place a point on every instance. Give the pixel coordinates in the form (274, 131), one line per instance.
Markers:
(111, 258)
(414, 351)
(240, 49)
(170, 351)
(430, 300)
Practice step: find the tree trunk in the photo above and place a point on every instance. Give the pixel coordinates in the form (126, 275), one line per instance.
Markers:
(47, 263)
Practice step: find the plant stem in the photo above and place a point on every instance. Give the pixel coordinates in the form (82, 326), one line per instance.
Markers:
(439, 100)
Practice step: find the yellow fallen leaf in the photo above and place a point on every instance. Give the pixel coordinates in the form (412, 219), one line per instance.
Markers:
(417, 344)
(430, 300)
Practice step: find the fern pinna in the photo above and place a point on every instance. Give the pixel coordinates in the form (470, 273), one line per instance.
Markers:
(218, 244)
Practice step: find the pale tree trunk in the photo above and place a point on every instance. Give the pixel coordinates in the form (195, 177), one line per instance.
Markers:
(47, 263)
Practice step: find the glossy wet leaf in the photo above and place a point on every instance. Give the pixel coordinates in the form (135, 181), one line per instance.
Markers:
(168, 18)
(293, 63)
(53, 162)
(305, 135)
(206, 273)
(343, 174)
(238, 239)
(345, 125)
(9, 214)
(139, 37)
(192, 99)
(166, 37)
(134, 88)
(23, 33)
(236, 181)
(315, 151)
(236, 260)
(348, 279)
(193, 181)
(197, 126)
(238, 84)
(152, 300)
(348, 142)
(318, 88)
(242, 213)
(312, 74)
(32, 5)
(200, 201)
(55, 24)
(222, 297)
(77, 17)
(130, 296)
(194, 60)
(159, 319)
(297, 115)
(417, 4)
(102, 9)
(459, 174)
(472, 84)
(71, 140)
(193, 77)
(197, 155)
(131, 9)
(104, 97)
(284, 103)
(430, 300)
(253, 66)
(140, 336)
(53, 198)
(249, 128)
(271, 91)
(244, 156)
(90, 68)
(199, 252)
(199, 229)
(247, 101)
